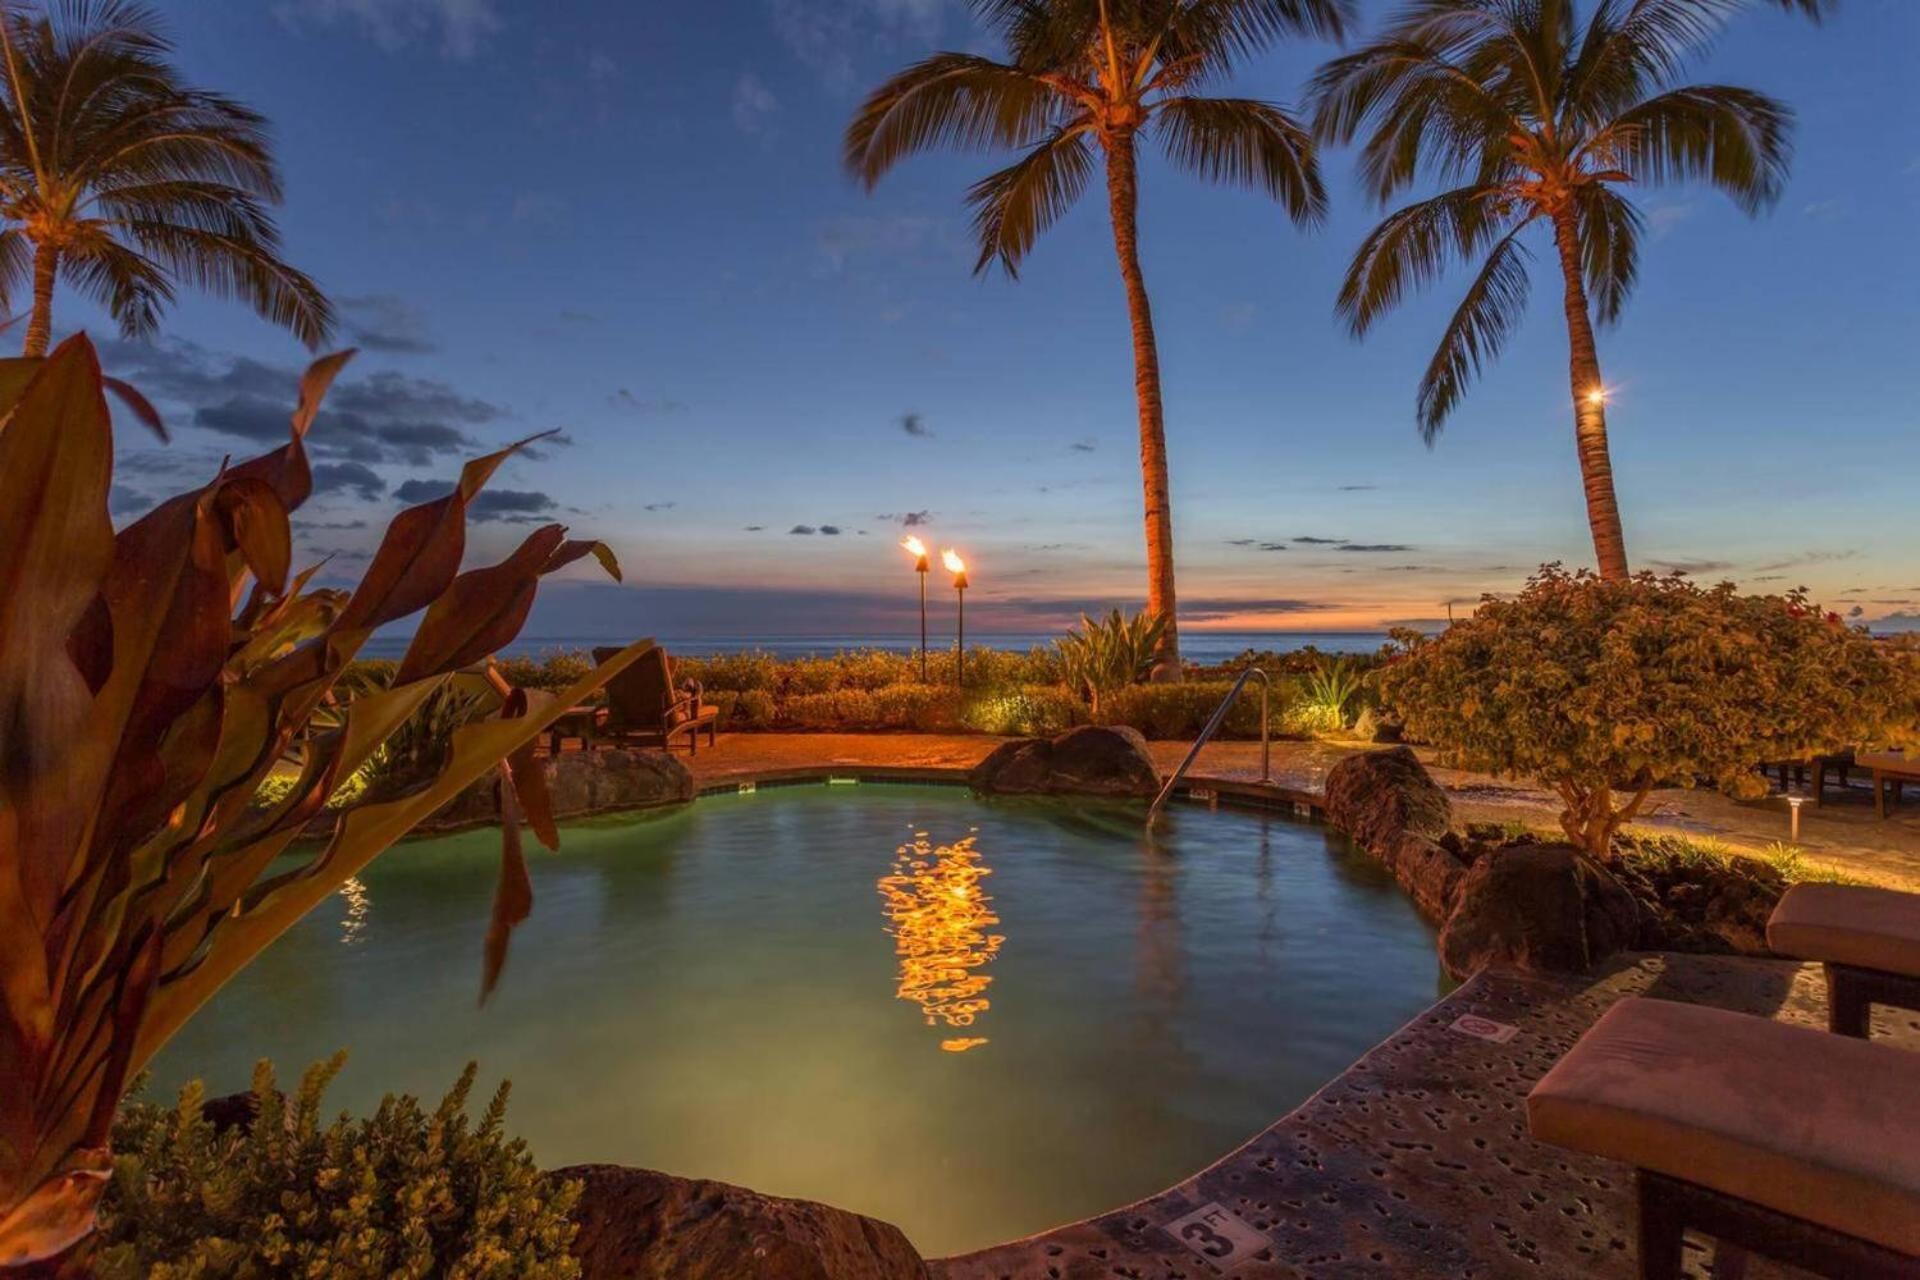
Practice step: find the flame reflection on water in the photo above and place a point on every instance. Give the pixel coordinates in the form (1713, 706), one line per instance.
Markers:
(939, 917)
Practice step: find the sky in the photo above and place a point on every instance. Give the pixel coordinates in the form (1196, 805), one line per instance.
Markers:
(628, 223)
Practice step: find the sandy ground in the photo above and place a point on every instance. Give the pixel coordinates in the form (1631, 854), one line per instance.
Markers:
(1843, 833)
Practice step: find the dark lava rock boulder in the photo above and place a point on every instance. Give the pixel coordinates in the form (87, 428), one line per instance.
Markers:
(1378, 796)
(1543, 906)
(1093, 760)
(636, 1224)
(583, 782)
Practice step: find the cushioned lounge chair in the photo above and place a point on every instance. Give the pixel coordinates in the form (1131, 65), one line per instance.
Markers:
(645, 708)
(1775, 1139)
(1868, 939)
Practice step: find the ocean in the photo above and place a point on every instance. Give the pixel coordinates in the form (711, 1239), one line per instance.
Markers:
(1195, 645)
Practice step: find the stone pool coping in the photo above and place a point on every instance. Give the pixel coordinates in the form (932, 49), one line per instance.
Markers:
(1415, 1161)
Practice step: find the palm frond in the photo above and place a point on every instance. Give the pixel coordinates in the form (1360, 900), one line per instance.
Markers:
(1412, 247)
(1737, 140)
(239, 267)
(1014, 205)
(132, 288)
(1223, 32)
(1485, 319)
(957, 100)
(1246, 143)
(1610, 249)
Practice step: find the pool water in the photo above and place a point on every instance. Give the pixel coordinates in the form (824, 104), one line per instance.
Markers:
(974, 1019)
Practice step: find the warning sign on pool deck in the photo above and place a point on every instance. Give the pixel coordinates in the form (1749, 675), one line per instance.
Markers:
(1218, 1235)
(1472, 1024)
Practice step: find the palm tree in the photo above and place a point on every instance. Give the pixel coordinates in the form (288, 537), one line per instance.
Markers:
(117, 176)
(1086, 81)
(1543, 120)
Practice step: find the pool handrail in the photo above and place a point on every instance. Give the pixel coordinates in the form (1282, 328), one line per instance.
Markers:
(1213, 725)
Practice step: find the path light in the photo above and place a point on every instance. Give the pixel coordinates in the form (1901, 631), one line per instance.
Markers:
(918, 550)
(958, 568)
(1794, 803)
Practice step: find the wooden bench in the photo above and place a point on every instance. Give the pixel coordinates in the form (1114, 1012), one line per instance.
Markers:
(1891, 771)
(1770, 1138)
(1868, 939)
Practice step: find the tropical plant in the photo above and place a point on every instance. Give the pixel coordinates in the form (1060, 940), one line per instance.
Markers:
(1328, 690)
(1541, 119)
(145, 692)
(1104, 655)
(1084, 81)
(121, 178)
(1606, 689)
(404, 1192)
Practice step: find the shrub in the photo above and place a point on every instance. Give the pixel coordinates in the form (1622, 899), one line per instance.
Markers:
(1182, 710)
(551, 671)
(1034, 710)
(150, 680)
(927, 708)
(1329, 689)
(1600, 687)
(402, 1193)
(1101, 657)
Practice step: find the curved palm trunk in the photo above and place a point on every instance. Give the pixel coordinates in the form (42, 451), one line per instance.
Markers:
(1589, 411)
(46, 267)
(1123, 196)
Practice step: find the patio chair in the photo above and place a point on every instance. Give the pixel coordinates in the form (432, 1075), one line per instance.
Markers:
(646, 708)
(1773, 1139)
(1867, 939)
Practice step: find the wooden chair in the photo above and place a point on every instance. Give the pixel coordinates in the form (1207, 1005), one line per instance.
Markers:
(645, 708)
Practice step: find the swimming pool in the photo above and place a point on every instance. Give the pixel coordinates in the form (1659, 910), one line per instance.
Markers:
(973, 1018)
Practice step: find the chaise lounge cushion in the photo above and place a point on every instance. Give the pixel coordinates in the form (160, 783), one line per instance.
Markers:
(1849, 924)
(1821, 1127)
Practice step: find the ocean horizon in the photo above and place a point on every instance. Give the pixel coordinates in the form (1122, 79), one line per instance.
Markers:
(1195, 645)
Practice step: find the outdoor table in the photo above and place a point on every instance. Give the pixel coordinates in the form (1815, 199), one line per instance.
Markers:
(1890, 769)
(574, 722)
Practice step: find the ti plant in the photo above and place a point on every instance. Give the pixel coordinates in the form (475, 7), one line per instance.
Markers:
(1104, 655)
(149, 680)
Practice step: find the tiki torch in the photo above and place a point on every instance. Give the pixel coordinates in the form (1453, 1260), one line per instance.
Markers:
(918, 550)
(958, 568)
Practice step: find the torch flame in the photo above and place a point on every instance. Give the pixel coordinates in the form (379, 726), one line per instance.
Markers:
(914, 546)
(952, 560)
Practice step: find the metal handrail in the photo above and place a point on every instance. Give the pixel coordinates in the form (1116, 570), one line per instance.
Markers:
(1213, 726)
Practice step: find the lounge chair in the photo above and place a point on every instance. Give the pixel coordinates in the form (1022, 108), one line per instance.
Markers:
(1868, 939)
(645, 708)
(1775, 1139)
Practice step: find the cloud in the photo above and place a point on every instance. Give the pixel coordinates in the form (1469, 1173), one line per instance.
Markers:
(1356, 488)
(659, 506)
(754, 106)
(1856, 612)
(503, 506)
(756, 528)
(824, 35)
(386, 323)
(364, 482)
(1256, 544)
(1828, 210)
(1317, 542)
(384, 418)
(1663, 218)
(1806, 558)
(848, 240)
(1374, 547)
(803, 530)
(1083, 446)
(830, 530)
(625, 399)
(915, 519)
(460, 26)
(915, 425)
(122, 501)
(1692, 567)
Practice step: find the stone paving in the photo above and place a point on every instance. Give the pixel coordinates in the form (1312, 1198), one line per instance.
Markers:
(1416, 1162)
(1842, 833)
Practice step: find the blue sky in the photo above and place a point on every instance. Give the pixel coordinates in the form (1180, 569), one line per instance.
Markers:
(628, 222)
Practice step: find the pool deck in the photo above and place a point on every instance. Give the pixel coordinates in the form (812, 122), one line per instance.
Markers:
(1843, 833)
(1416, 1160)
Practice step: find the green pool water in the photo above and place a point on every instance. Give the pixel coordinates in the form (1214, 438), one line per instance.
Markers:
(975, 1019)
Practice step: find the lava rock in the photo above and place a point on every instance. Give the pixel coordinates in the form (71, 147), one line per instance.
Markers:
(1093, 760)
(1378, 796)
(582, 782)
(1429, 872)
(1544, 907)
(635, 1224)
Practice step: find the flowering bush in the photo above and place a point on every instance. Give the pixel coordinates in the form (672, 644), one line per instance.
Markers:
(1602, 688)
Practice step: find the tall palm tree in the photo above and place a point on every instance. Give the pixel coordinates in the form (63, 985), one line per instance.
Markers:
(1085, 81)
(121, 179)
(1542, 119)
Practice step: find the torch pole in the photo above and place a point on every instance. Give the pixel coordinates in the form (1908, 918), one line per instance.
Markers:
(960, 641)
(923, 619)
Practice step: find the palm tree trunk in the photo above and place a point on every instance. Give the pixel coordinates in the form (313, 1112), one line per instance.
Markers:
(1589, 408)
(1123, 196)
(46, 267)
